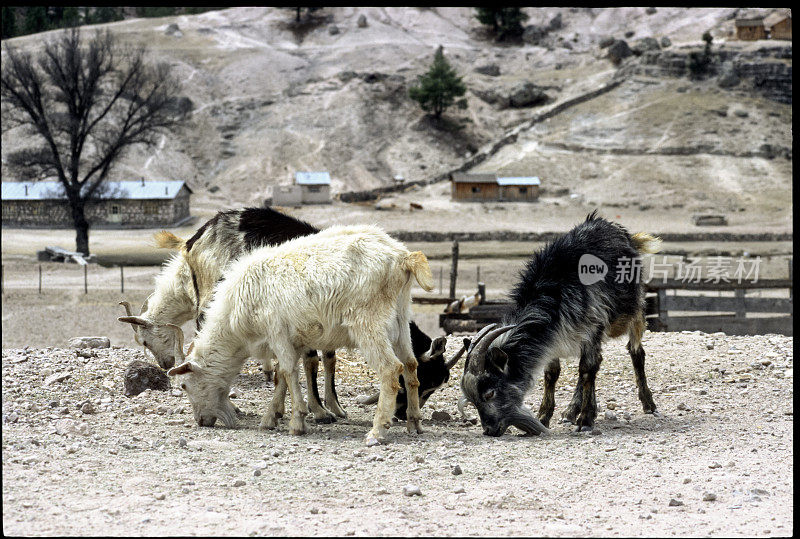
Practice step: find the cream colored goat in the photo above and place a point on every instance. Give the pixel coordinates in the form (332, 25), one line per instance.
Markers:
(347, 286)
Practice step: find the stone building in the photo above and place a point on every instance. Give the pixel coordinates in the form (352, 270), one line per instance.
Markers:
(750, 29)
(122, 204)
(308, 188)
(488, 187)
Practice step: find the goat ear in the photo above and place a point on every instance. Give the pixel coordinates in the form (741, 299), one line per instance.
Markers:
(497, 359)
(184, 368)
(136, 321)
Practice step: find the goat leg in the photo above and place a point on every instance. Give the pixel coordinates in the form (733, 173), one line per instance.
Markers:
(331, 398)
(311, 366)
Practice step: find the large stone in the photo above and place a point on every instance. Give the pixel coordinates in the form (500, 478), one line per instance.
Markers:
(645, 44)
(533, 34)
(618, 51)
(89, 342)
(555, 23)
(362, 21)
(492, 70)
(140, 375)
(666, 42)
(333, 29)
(526, 94)
(709, 220)
(173, 30)
(606, 42)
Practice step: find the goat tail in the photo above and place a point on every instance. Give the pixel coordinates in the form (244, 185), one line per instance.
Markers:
(646, 243)
(417, 263)
(168, 240)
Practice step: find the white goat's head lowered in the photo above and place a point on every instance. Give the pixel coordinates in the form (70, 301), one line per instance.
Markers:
(208, 393)
(157, 338)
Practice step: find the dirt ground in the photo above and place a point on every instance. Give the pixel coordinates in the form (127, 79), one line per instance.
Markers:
(717, 461)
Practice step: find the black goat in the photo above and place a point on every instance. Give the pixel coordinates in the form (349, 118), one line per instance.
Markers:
(555, 314)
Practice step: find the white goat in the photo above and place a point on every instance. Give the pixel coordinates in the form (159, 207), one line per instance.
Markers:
(347, 286)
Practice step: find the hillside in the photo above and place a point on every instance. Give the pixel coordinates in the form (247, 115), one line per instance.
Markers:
(269, 99)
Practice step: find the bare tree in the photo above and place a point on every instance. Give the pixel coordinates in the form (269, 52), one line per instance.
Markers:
(85, 104)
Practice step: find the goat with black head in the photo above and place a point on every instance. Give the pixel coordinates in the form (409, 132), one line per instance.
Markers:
(556, 313)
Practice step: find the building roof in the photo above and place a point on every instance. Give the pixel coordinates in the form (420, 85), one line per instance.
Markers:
(312, 178)
(124, 190)
(774, 18)
(754, 21)
(519, 180)
(461, 177)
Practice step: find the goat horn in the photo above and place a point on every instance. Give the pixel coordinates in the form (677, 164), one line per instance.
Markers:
(462, 402)
(479, 336)
(127, 307)
(452, 363)
(478, 354)
(144, 305)
(178, 343)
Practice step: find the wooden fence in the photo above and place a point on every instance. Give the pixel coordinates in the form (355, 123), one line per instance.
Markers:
(669, 310)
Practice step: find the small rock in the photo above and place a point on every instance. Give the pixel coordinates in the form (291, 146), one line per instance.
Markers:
(161, 496)
(440, 416)
(459, 490)
(611, 416)
(362, 21)
(709, 346)
(626, 416)
(57, 377)
(333, 29)
(714, 465)
(666, 42)
(596, 432)
(709, 497)
(419, 458)
(12, 418)
(412, 490)
(140, 376)
(176, 392)
(239, 483)
(381, 491)
(682, 406)
(87, 408)
(182, 442)
(256, 473)
(89, 342)
(456, 470)
(675, 503)
(687, 480)
(611, 405)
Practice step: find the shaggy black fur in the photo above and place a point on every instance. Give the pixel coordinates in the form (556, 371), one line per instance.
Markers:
(552, 311)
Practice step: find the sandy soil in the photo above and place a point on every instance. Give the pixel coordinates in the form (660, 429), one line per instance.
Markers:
(140, 466)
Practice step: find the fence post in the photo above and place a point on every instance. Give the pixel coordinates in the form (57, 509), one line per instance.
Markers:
(454, 270)
(121, 280)
(479, 274)
(40, 278)
(482, 292)
(441, 273)
(85, 280)
(741, 310)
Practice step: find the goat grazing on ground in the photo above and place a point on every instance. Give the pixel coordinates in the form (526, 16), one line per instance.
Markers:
(347, 286)
(558, 313)
(184, 287)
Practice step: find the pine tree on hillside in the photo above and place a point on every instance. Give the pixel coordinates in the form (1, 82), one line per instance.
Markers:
(505, 21)
(439, 87)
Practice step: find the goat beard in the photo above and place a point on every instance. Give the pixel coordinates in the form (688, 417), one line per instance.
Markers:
(524, 420)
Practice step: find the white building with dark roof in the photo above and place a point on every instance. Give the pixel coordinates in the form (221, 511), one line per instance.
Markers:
(308, 188)
(120, 204)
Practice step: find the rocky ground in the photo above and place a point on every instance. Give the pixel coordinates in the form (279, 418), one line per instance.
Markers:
(79, 458)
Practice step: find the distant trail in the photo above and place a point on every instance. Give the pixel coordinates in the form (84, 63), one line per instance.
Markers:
(158, 150)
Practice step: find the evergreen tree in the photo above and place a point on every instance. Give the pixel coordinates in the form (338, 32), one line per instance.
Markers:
(9, 22)
(35, 20)
(505, 21)
(439, 87)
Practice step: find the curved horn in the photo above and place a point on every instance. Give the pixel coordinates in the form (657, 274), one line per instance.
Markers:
(127, 307)
(462, 402)
(144, 305)
(479, 336)
(478, 354)
(179, 355)
(450, 364)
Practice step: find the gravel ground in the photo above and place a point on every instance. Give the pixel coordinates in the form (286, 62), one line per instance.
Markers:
(716, 461)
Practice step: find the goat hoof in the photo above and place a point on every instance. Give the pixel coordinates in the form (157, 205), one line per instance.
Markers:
(566, 420)
(413, 426)
(278, 415)
(266, 425)
(585, 428)
(299, 431)
(326, 419)
(372, 440)
(656, 413)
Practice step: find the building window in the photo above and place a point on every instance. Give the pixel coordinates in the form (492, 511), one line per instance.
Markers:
(114, 209)
(476, 189)
(523, 190)
(313, 189)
